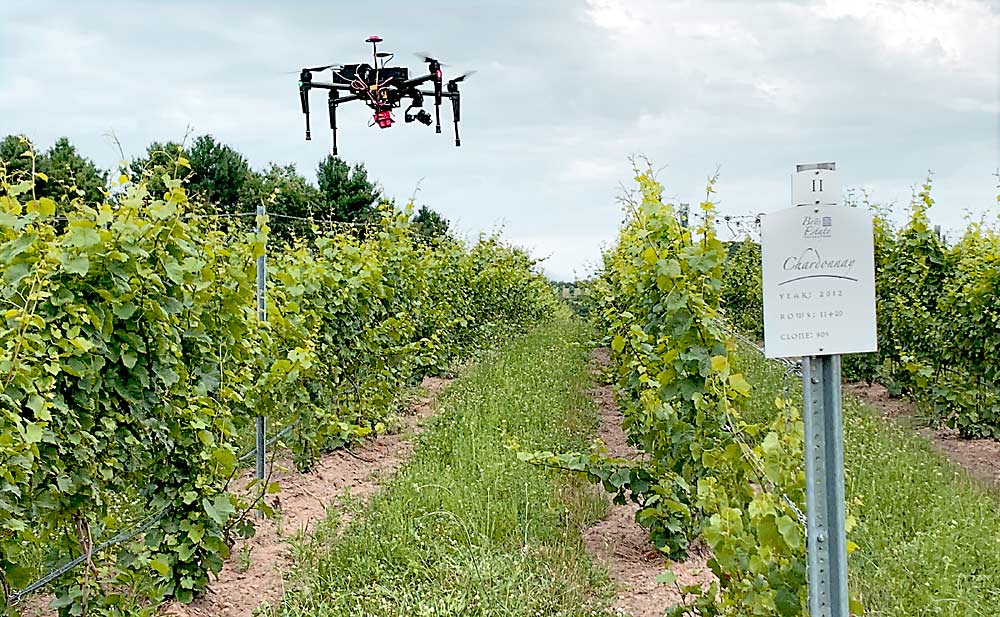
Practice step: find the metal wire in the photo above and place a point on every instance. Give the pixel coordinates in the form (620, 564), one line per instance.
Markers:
(123, 536)
(309, 219)
(270, 442)
(758, 468)
(791, 367)
(335, 224)
(28, 218)
(217, 216)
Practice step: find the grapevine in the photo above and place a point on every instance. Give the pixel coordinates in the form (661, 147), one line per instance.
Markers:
(132, 361)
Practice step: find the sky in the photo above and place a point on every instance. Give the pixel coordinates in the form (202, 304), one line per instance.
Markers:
(565, 92)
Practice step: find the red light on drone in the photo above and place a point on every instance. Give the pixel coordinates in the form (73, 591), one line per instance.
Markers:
(383, 119)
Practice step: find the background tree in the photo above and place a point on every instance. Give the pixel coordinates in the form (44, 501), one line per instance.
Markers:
(430, 224)
(221, 177)
(348, 195)
(162, 154)
(287, 192)
(65, 173)
(67, 168)
(11, 149)
(218, 173)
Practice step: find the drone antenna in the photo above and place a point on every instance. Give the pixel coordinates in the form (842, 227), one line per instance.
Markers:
(374, 40)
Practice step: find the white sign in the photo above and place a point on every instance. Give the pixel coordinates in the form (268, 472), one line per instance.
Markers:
(819, 281)
(816, 187)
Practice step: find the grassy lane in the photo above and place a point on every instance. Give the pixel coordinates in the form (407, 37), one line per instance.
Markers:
(928, 535)
(464, 528)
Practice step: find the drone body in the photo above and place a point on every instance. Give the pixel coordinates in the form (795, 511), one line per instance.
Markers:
(383, 89)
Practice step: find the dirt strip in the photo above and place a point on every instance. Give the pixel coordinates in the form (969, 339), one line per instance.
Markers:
(980, 457)
(621, 545)
(254, 572)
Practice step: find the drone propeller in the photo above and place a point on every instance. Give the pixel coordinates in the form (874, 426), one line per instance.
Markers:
(426, 57)
(462, 77)
(323, 68)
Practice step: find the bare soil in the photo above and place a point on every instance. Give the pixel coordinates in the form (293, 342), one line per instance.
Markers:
(302, 502)
(621, 544)
(254, 572)
(877, 396)
(980, 457)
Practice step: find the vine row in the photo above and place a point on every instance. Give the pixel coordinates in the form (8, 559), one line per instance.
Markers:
(708, 468)
(132, 365)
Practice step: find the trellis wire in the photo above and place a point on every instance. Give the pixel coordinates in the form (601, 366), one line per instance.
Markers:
(123, 536)
(791, 367)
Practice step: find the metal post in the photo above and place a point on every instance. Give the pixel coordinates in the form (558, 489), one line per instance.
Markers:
(817, 184)
(824, 453)
(261, 429)
(261, 316)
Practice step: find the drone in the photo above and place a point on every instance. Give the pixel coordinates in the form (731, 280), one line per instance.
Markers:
(383, 88)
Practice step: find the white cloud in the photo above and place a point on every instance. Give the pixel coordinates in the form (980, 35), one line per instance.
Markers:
(566, 91)
(613, 15)
(961, 33)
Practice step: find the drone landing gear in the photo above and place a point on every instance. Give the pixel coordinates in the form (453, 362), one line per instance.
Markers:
(305, 81)
(332, 104)
(455, 109)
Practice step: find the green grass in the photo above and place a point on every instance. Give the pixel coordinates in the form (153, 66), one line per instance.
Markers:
(928, 534)
(465, 529)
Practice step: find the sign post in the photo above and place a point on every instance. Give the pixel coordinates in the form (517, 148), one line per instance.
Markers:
(818, 270)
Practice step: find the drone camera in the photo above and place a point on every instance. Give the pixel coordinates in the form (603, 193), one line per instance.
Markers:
(422, 117)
